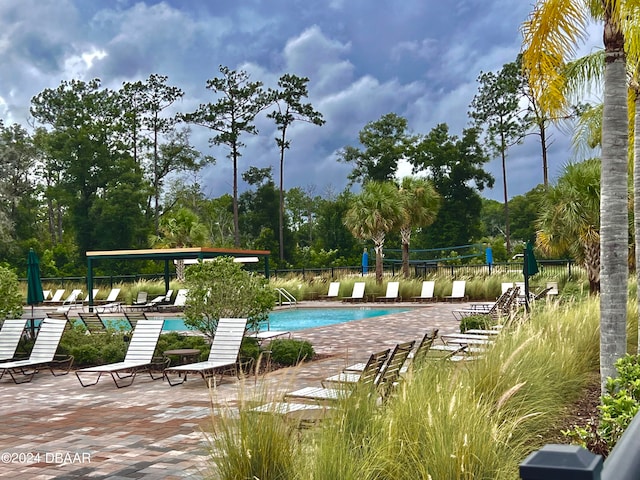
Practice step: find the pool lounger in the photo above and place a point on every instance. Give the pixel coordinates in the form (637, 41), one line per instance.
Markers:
(269, 335)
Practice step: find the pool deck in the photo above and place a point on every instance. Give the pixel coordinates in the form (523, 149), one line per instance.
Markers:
(53, 428)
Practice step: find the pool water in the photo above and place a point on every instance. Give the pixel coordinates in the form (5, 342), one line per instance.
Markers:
(301, 318)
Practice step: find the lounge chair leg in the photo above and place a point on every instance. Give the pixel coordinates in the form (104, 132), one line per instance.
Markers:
(116, 377)
(88, 384)
(183, 379)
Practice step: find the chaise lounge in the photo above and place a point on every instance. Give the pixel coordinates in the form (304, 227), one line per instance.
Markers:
(139, 357)
(223, 356)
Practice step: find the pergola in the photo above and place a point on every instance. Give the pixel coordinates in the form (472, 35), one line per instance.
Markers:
(171, 254)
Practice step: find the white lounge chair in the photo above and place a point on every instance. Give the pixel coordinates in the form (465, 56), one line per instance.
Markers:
(334, 291)
(323, 399)
(223, 356)
(57, 297)
(10, 335)
(110, 304)
(426, 294)
(139, 357)
(457, 291)
(179, 302)
(73, 298)
(392, 294)
(506, 286)
(42, 355)
(358, 293)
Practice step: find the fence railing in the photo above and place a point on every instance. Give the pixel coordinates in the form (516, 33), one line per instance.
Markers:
(554, 268)
(568, 462)
(548, 267)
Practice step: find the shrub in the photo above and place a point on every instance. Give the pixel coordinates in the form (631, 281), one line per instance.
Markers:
(10, 296)
(291, 352)
(619, 405)
(482, 322)
(222, 289)
(85, 354)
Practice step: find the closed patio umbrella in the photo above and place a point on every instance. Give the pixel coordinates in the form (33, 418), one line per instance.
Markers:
(34, 285)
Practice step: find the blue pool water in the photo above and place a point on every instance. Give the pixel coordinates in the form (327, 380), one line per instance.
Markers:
(301, 318)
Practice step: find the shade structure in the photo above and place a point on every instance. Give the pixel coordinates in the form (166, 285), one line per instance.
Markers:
(34, 285)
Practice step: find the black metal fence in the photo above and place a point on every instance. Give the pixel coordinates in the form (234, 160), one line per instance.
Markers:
(555, 268)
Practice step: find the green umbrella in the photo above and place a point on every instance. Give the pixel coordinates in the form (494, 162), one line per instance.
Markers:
(529, 268)
(34, 286)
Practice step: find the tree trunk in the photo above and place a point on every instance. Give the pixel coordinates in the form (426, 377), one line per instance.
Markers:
(636, 190)
(614, 226)
(592, 266)
(281, 213)
(236, 223)
(405, 235)
(507, 229)
(543, 145)
(378, 244)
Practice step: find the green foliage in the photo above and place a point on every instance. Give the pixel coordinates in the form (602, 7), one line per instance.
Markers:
(446, 422)
(222, 289)
(93, 349)
(10, 296)
(175, 341)
(385, 142)
(254, 446)
(482, 322)
(249, 349)
(290, 351)
(619, 406)
(455, 165)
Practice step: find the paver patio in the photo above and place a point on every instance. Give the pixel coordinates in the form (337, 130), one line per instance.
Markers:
(52, 428)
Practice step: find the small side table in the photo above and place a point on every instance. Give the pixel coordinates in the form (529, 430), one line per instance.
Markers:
(187, 355)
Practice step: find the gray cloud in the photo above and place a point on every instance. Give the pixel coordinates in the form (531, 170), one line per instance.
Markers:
(417, 58)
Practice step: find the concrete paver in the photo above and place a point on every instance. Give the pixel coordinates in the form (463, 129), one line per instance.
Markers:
(52, 428)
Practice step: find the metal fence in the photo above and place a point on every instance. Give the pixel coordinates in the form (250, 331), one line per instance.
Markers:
(553, 268)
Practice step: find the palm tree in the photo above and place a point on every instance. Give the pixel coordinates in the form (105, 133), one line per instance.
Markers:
(550, 37)
(182, 229)
(569, 220)
(421, 203)
(376, 211)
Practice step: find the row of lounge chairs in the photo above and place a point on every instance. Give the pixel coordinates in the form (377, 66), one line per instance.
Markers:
(111, 303)
(458, 292)
(223, 356)
(379, 376)
(393, 292)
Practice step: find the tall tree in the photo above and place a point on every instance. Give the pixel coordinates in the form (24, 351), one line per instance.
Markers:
(454, 165)
(375, 212)
(385, 143)
(18, 189)
(496, 111)
(551, 35)
(84, 145)
(232, 115)
(420, 202)
(289, 109)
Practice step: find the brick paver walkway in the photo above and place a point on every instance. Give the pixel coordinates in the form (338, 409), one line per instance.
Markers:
(52, 428)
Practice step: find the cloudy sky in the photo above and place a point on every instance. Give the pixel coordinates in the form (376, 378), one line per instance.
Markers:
(364, 58)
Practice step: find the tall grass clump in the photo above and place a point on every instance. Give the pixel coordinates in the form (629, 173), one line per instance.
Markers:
(473, 420)
(248, 445)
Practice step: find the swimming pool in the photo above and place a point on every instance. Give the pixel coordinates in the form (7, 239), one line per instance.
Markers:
(301, 318)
